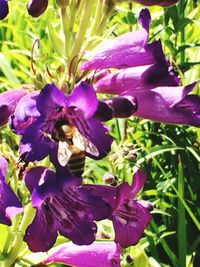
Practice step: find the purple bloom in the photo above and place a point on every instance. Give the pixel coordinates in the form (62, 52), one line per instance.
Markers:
(37, 7)
(64, 121)
(127, 50)
(153, 83)
(9, 203)
(8, 102)
(130, 217)
(63, 206)
(156, 101)
(105, 254)
(129, 80)
(169, 105)
(25, 113)
(4, 9)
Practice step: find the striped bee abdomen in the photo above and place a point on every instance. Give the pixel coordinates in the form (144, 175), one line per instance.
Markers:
(76, 163)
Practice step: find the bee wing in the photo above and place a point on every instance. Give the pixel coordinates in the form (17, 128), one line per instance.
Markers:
(64, 153)
(84, 144)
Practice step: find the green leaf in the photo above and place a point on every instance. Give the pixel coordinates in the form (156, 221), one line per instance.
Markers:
(7, 70)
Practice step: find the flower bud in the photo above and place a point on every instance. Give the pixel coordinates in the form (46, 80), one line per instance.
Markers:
(109, 178)
(3, 9)
(37, 7)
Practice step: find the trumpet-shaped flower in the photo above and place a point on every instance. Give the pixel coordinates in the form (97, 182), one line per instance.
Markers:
(154, 84)
(127, 50)
(63, 206)
(129, 216)
(9, 203)
(106, 254)
(8, 103)
(126, 81)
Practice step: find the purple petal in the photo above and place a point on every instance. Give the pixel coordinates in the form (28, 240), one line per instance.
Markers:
(50, 99)
(25, 113)
(137, 78)
(145, 19)
(156, 2)
(129, 221)
(3, 8)
(127, 50)
(126, 191)
(168, 3)
(8, 102)
(105, 254)
(81, 234)
(34, 144)
(108, 193)
(9, 203)
(41, 234)
(33, 177)
(81, 208)
(62, 203)
(41, 183)
(3, 167)
(163, 104)
(84, 97)
(104, 112)
(99, 138)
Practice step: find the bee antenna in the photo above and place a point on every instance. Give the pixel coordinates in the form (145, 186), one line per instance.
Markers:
(36, 42)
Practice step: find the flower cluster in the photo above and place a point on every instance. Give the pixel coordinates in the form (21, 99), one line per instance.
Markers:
(144, 73)
(68, 128)
(65, 128)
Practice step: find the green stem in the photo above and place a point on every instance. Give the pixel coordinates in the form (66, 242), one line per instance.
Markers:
(130, 5)
(182, 31)
(97, 17)
(83, 24)
(181, 219)
(18, 240)
(66, 30)
(118, 131)
(73, 11)
(10, 234)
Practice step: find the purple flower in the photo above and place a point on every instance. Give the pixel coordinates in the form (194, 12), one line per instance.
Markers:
(60, 124)
(37, 7)
(9, 203)
(127, 50)
(126, 81)
(8, 102)
(25, 113)
(130, 217)
(4, 9)
(170, 104)
(63, 206)
(105, 254)
(152, 83)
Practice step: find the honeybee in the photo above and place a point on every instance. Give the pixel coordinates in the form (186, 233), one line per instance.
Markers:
(72, 147)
